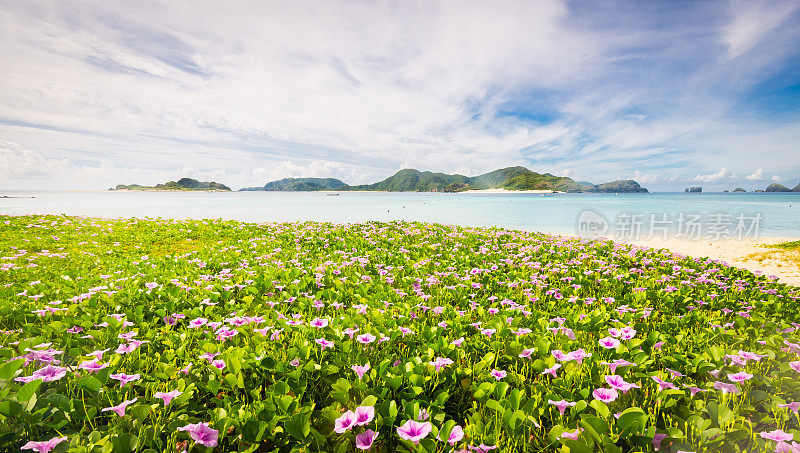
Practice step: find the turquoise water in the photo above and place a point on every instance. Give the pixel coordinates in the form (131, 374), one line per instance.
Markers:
(779, 213)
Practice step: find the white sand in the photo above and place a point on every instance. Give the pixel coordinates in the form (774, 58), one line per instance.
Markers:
(747, 254)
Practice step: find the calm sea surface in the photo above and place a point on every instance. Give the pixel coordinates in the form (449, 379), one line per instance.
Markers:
(778, 214)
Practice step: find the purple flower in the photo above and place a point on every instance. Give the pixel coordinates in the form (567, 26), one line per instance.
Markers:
(726, 388)
(413, 430)
(663, 385)
(364, 440)
(364, 415)
(526, 353)
(605, 395)
(202, 434)
(319, 323)
(367, 338)
(324, 343)
(218, 364)
(561, 405)
(572, 434)
(795, 365)
(616, 382)
(498, 374)
(92, 365)
(739, 377)
(440, 363)
(45, 446)
(609, 342)
(125, 378)
(295, 362)
(552, 370)
(119, 409)
(360, 370)
(794, 406)
(50, 373)
(456, 434)
(777, 435)
(345, 422)
(168, 396)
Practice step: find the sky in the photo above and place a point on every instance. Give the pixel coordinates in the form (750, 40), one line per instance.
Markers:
(671, 94)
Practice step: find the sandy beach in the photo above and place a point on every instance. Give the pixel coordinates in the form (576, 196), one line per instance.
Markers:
(753, 255)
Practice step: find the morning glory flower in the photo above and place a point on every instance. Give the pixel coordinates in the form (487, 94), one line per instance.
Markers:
(413, 430)
(364, 440)
(344, 422)
(168, 396)
(125, 378)
(119, 409)
(498, 374)
(44, 446)
(324, 343)
(777, 435)
(561, 405)
(202, 434)
(364, 415)
(360, 370)
(605, 395)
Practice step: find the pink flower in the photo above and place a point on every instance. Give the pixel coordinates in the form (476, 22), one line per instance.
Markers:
(360, 370)
(324, 343)
(440, 363)
(218, 364)
(456, 434)
(498, 374)
(50, 373)
(609, 342)
(168, 396)
(618, 383)
(605, 395)
(120, 408)
(794, 406)
(777, 435)
(367, 338)
(45, 446)
(726, 388)
(202, 434)
(795, 365)
(618, 363)
(784, 447)
(125, 378)
(561, 405)
(364, 415)
(572, 434)
(345, 422)
(92, 365)
(413, 430)
(662, 385)
(657, 438)
(319, 323)
(552, 371)
(364, 440)
(739, 377)
(526, 353)
(295, 362)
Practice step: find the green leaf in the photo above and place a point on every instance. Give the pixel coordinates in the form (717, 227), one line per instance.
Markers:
(125, 443)
(601, 408)
(28, 390)
(90, 383)
(576, 446)
(10, 408)
(299, 426)
(8, 370)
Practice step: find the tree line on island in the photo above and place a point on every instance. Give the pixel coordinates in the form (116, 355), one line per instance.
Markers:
(410, 180)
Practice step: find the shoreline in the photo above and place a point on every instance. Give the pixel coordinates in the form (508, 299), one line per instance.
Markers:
(753, 255)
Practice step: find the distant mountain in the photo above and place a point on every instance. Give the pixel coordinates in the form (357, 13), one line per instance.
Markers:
(410, 180)
(300, 185)
(796, 188)
(775, 187)
(181, 184)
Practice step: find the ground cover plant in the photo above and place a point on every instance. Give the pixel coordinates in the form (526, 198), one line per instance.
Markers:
(163, 335)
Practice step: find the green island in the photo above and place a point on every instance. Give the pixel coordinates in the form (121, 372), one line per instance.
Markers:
(188, 184)
(410, 180)
(197, 335)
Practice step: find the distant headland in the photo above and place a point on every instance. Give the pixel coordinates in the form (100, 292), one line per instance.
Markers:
(183, 184)
(410, 180)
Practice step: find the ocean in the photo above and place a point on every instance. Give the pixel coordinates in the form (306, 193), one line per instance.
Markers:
(706, 215)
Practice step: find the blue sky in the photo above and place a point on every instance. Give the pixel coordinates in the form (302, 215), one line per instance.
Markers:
(670, 93)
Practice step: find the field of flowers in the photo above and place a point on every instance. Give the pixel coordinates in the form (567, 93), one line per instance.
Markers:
(161, 335)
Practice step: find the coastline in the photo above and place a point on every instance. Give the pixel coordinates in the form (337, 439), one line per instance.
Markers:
(753, 255)
(506, 191)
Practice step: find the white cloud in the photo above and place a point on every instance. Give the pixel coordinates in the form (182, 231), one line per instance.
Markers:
(776, 178)
(721, 175)
(753, 21)
(758, 175)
